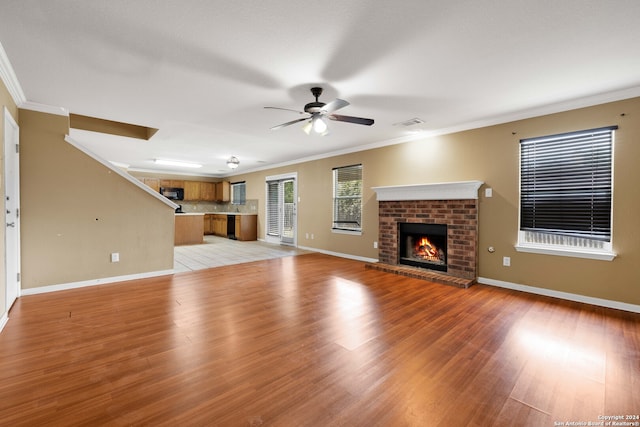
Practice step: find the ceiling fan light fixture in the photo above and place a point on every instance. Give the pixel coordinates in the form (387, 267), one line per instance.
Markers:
(233, 162)
(319, 125)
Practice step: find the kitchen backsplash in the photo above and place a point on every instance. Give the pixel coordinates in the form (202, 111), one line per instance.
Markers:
(251, 206)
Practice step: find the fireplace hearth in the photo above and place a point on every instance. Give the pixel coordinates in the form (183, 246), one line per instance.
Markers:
(423, 245)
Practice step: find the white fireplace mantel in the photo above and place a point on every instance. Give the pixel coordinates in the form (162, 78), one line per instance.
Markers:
(436, 191)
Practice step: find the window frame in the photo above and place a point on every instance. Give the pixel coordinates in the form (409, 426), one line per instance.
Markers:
(566, 241)
(243, 200)
(335, 197)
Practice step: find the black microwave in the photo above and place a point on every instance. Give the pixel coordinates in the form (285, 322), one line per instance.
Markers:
(172, 193)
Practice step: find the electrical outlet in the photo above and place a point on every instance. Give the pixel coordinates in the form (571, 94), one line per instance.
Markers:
(506, 261)
(311, 236)
(306, 236)
(115, 257)
(375, 245)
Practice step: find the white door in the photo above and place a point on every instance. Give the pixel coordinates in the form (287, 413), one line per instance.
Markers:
(12, 208)
(281, 210)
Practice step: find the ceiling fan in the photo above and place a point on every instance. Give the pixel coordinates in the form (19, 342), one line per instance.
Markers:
(318, 111)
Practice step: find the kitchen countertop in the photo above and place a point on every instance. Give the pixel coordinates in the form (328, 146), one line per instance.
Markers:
(230, 213)
(215, 213)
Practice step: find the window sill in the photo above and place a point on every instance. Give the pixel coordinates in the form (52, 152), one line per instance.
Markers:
(352, 232)
(570, 252)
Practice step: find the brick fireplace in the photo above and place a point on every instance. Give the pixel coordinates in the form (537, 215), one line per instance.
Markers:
(454, 205)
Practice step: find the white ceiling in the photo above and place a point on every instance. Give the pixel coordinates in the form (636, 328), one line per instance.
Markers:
(202, 71)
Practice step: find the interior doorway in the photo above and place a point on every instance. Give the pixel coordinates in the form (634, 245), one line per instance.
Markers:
(281, 215)
(11, 209)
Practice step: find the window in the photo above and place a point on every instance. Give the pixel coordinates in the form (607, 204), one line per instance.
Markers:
(566, 193)
(238, 193)
(347, 198)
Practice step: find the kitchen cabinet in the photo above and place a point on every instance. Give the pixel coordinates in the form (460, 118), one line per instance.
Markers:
(153, 183)
(207, 191)
(223, 191)
(208, 224)
(246, 227)
(219, 225)
(174, 183)
(192, 190)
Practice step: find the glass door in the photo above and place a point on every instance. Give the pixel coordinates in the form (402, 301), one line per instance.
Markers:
(281, 210)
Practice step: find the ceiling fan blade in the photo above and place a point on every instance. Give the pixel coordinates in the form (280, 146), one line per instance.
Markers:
(351, 119)
(292, 122)
(334, 105)
(285, 109)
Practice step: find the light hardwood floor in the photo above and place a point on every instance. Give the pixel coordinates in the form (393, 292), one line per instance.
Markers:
(312, 340)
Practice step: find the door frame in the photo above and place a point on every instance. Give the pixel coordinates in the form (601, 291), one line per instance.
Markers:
(292, 176)
(11, 188)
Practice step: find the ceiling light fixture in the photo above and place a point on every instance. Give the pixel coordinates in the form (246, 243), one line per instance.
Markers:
(176, 163)
(233, 162)
(319, 126)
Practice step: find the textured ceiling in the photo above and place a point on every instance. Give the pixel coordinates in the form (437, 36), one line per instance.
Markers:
(202, 71)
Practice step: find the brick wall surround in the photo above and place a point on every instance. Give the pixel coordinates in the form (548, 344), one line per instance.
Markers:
(461, 217)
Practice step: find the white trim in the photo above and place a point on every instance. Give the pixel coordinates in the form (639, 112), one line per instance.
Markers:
(435, 191)
(3, 321)
(561, 295)
(282, 176)
(94, 282)
(339, 254)
(117, 170)
(9, 78)
(570, 252)
(44, 108)
(349, 232)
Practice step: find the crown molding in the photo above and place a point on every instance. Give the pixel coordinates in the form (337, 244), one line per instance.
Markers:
(44, 108)
(9, 78)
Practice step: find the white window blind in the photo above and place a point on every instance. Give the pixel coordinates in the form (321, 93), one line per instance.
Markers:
(566, 187)
(273, 208)
(238, 193)
(347, 198)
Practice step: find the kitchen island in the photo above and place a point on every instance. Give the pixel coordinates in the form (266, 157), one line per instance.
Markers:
(189, 229)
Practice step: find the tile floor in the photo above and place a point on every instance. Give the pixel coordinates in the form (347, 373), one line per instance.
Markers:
(218, 251)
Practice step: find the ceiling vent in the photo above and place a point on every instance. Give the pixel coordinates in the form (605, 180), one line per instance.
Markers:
(410, 122)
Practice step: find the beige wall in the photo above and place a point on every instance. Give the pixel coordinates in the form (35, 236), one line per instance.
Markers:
(5, 101)
(76, 212)
(491, 155)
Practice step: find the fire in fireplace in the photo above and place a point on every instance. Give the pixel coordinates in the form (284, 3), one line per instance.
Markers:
(423, 245)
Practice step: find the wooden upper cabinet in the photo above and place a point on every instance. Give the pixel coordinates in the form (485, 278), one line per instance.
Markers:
(192, 190)
(174, 183)
(208, 191)
(153, 183)
(223, 191)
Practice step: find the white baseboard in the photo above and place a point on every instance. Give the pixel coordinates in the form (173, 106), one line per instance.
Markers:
(339, 254)
(562, 295)
(85, 283)
(3, 321)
